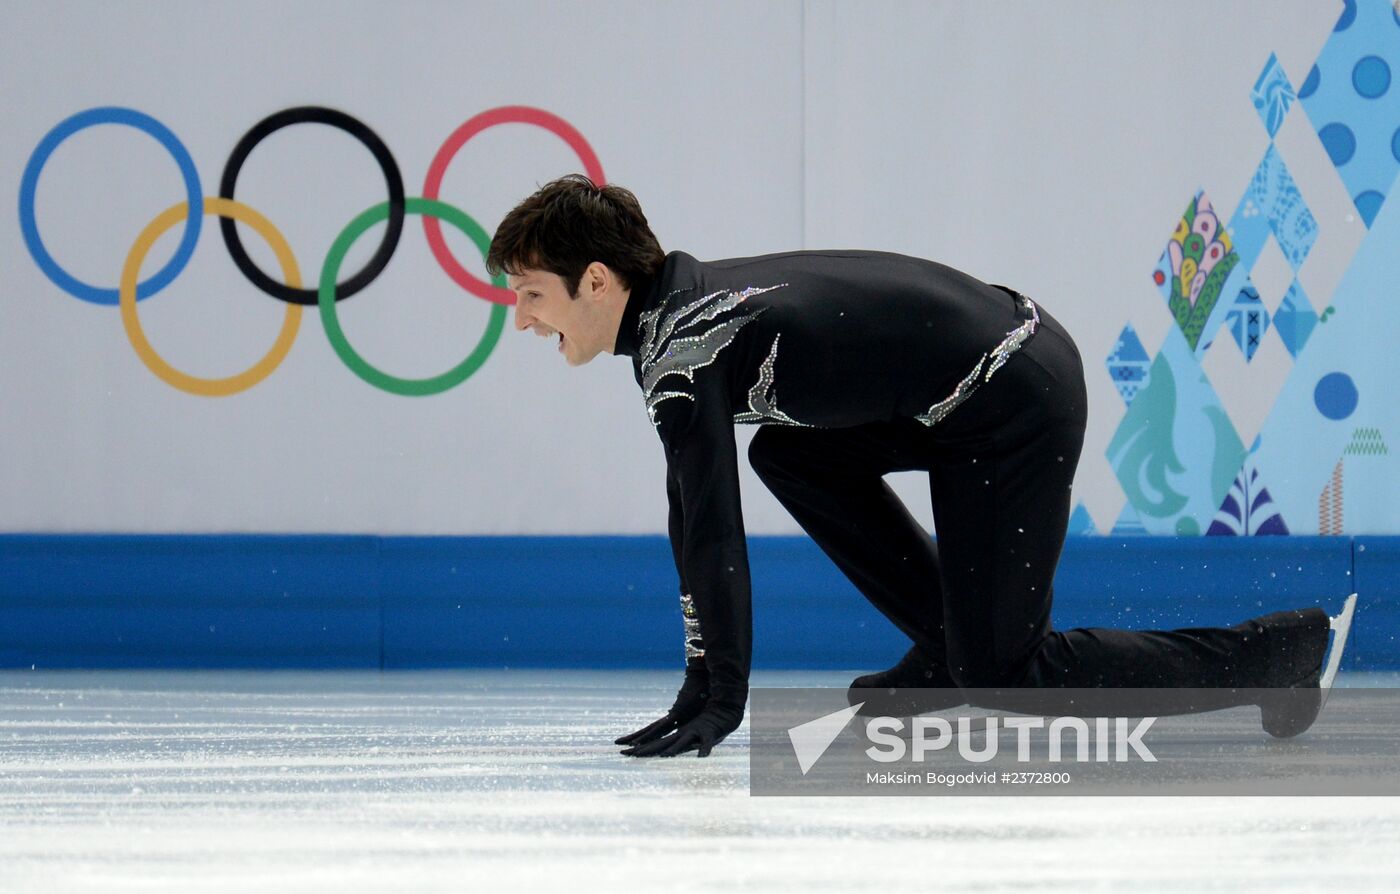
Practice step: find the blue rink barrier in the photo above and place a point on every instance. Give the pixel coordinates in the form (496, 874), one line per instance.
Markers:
(332, 601)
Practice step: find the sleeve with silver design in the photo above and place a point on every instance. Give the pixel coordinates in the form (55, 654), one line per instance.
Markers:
(694, 644)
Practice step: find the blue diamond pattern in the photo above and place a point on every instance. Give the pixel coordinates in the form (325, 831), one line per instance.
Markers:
(1352, 97)
(1080, 523)
(1273, 204)
(1175, 452)
(1128, 364)
(1272, 95)
(1295, 319)
(1248, 320)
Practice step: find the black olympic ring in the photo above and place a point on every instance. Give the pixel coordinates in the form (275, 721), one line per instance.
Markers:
(360, 131)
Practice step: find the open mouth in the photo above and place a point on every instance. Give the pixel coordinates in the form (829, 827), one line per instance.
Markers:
(561, 341)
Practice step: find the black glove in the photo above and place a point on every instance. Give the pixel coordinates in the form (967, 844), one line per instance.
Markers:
(700, 735)
(695, 722)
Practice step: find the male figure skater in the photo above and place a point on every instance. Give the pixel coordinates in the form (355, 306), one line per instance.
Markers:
(856, 364)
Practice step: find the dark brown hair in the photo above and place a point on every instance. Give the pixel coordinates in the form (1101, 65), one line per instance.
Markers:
(571, 222)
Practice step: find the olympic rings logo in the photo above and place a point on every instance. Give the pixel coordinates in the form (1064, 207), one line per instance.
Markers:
(131, 289)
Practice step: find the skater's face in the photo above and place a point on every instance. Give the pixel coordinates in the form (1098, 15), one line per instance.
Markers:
(583, 323)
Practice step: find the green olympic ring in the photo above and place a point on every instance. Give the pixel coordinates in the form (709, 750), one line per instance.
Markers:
(351, 358)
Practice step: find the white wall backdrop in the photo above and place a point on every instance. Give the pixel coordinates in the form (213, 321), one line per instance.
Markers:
(1049, 146)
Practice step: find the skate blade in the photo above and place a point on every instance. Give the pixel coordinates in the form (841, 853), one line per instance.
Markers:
(1334, 660)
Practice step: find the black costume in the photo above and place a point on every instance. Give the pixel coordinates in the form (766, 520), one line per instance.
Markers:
(863, 363)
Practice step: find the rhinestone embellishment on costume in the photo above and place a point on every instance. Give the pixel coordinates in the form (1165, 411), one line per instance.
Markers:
(677, 342)
(694, 645)
(763, 405)
(998, 357)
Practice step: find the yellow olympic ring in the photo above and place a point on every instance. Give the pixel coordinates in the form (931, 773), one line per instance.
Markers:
(131, 272)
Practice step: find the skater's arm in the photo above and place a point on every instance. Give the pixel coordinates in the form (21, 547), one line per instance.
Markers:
(699, 440)
(708, 536)
(694, 642)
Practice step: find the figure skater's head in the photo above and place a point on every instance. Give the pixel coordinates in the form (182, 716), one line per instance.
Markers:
(572, 252)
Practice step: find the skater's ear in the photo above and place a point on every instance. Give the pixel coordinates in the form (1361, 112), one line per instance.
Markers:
(597, 282)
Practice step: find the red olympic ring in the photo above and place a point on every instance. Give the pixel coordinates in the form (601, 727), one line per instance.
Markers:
(432, 227)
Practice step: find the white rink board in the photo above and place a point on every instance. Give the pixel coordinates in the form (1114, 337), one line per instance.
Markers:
(1031, 144)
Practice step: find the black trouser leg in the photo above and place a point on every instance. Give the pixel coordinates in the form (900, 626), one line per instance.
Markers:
(1000, 470)
(831, 481)
(1001, 499)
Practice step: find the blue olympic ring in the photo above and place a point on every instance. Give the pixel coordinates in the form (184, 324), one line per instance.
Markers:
(65, 129)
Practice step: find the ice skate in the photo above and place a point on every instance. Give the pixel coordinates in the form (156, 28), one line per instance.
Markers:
(1286, 713)
(919, 683)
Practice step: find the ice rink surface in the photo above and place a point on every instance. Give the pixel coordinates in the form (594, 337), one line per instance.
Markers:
(507, 781)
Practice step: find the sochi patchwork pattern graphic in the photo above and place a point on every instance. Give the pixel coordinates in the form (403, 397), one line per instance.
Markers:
(1320, 462)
